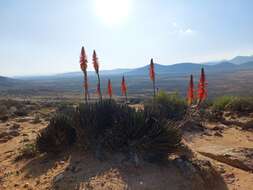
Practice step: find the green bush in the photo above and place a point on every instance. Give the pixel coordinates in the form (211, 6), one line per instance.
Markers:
(234, 104)
(241, 105)
(28, 151)
(58, 135)
(106, 126)
(169, 106)
(221, 103)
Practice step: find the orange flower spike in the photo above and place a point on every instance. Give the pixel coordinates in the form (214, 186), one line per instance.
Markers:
(95, 62)
(109, 88)
(202, 93)
(83, 60)
(152, 70)
(190, 94)
(123, 86)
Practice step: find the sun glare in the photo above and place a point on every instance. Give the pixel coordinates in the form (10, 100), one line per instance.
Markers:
(112, 11)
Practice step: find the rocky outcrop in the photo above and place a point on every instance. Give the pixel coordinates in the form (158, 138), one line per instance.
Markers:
(9, 132)
(200, 173)
(241, 158)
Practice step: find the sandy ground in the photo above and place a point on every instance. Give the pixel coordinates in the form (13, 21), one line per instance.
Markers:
(73, 170)
(233, 138)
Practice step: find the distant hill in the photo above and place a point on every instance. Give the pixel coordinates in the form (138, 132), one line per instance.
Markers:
(192, 68)
(223, 78)
(7, 82)
(241, 59)
(175, 69)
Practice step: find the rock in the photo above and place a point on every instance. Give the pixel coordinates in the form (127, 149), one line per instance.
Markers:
(241, 158)
(58, 177)
(218, 128)
(12, 110)
(36, 119)
(14, 133)
(221, 170)
(200, 173)
(37, 182)
(4, 118)
(15, 126)
(230, 178)
(3, 134)
(4, 140)
(207, 134)
(248, 125)
(191, 126)
(75, 169)
(62, 162)
(25, 140)
(26, 185)
(24, 119)
(218, 134)
(185, 167)
(8, 134)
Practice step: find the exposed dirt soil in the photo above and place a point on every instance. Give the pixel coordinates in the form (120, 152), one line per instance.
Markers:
(77, 169)
(232, 137)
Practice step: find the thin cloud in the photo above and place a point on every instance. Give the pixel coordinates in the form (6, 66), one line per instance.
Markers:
(177, 29)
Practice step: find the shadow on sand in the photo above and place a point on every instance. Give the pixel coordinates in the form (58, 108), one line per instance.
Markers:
(83, 171)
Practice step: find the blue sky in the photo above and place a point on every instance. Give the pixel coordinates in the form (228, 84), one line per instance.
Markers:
(45, 36)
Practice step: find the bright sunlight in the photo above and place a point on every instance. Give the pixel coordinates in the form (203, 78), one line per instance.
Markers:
(112, 12)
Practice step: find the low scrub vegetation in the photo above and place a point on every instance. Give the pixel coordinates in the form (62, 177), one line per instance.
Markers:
(28, 151)
(106, 126)
(233, 104)
(169, 106)
(58, 135)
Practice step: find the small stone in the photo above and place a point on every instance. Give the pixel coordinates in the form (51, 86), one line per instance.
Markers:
(62, 162)
(218, 128)
(28, 176)
(58, 178)
(26, 185)
(207, 134)
(15, 126)
(37, 181)
(230, 178)
(218, 134)
(221, 170)
(14, 133)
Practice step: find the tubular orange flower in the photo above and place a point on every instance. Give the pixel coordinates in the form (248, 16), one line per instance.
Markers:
(152, 70)
(123, 86)
(83, 60)
(96, 67)
(95, 62)
(190, 93)
(152, 74)
(83, 65)
(202, 92)
(109, 88)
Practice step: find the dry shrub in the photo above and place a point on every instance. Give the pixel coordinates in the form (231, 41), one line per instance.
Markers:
(57, 136)
(106, 126)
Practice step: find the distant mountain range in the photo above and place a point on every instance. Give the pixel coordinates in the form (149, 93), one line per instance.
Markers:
(225, 77)
(176, 69)
(235, 64)
(241, 59)
(7, 82)
(236, 60)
